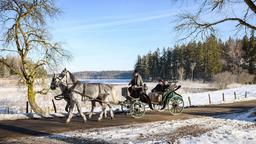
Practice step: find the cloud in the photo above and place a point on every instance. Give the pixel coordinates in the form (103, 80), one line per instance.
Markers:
(112, 22)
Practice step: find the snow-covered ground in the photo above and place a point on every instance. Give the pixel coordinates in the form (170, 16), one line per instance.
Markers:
(243, 93)
(229, 129)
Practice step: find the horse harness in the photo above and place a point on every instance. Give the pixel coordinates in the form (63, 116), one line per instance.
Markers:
(67, 91)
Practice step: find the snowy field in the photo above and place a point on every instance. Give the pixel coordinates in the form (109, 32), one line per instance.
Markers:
(241, 93)
(239, 128)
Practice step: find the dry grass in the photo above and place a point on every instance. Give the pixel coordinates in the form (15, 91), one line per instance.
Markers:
(8, 82)
(192, 130)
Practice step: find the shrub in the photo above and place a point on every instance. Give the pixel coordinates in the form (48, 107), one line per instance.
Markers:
(245, 78)
(223, 79)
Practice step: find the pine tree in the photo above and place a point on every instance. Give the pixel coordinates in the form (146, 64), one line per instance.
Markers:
(252, 54)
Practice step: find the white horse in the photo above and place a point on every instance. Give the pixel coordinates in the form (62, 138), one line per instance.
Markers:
(76, 90)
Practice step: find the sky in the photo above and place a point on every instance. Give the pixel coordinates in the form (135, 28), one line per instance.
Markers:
(110, 34)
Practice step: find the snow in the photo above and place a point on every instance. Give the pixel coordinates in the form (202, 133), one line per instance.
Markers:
(29, 115)
(225, 129)
(233, 128)
(198, 99)
(18, 116)
(13, 116)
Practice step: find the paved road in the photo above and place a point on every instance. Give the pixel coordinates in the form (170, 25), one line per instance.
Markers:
(39, 127)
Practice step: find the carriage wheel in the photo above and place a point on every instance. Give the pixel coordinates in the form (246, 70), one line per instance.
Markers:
(176, 105)
(137, 109)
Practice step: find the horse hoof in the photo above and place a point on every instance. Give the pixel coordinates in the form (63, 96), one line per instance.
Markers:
(67, 122)
(99, 119)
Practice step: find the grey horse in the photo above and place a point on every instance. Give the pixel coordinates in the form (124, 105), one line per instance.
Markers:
(75, 90)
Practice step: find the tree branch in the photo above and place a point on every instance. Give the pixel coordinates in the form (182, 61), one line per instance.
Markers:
(251, 5)
(242, 22)
(43, 91)
(191, 25)
(8, 50)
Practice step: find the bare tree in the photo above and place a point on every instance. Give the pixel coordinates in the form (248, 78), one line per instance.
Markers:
(181, 71)
(192, 67)
(221, 11)
(24, 34)
(235, 56)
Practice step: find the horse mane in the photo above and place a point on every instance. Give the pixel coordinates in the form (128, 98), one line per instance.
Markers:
(72, 77)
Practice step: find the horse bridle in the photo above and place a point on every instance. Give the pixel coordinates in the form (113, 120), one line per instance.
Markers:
(60, 78)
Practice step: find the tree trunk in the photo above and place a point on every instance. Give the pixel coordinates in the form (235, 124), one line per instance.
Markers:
(181, 73)
(32, 100)
(192, 75)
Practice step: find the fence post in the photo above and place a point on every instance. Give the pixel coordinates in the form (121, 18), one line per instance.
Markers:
(54, 106)
(27, 107)
(235, 95)
(223, 97)
(209, 96)
(8, 110)
(189, 101)
(245, 95)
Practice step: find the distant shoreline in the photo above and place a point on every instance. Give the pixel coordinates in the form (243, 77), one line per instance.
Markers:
(103, 74)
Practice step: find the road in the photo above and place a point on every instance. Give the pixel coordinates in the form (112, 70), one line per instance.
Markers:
(40, 127)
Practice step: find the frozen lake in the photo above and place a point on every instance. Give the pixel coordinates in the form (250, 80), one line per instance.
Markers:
(106, 81)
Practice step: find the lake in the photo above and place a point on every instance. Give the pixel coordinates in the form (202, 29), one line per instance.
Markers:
(106, 81)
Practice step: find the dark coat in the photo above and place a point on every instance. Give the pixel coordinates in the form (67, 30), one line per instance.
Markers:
(160, 88)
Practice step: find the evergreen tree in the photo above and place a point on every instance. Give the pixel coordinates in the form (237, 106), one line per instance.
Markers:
(200, 60)
(252, 54)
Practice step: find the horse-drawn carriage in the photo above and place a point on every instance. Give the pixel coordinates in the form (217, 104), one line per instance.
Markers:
(74, 90)
(169, 99)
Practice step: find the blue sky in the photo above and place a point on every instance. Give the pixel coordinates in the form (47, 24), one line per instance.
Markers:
(110, 34)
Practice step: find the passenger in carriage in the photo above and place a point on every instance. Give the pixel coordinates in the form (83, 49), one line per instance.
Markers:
(160, 87)
(136, 83)
(157, 92)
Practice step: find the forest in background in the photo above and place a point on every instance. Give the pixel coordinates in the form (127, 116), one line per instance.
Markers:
(211, 60)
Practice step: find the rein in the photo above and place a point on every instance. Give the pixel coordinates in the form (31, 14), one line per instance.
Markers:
(59, 97)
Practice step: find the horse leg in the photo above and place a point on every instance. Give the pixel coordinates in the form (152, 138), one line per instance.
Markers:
(92, 109)
(102, 112)
(111, 111)
(70, 113)
(104, 108)
(105, 112)
(105, 103)
(67, 105)
(80, 111)
(110, 108)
